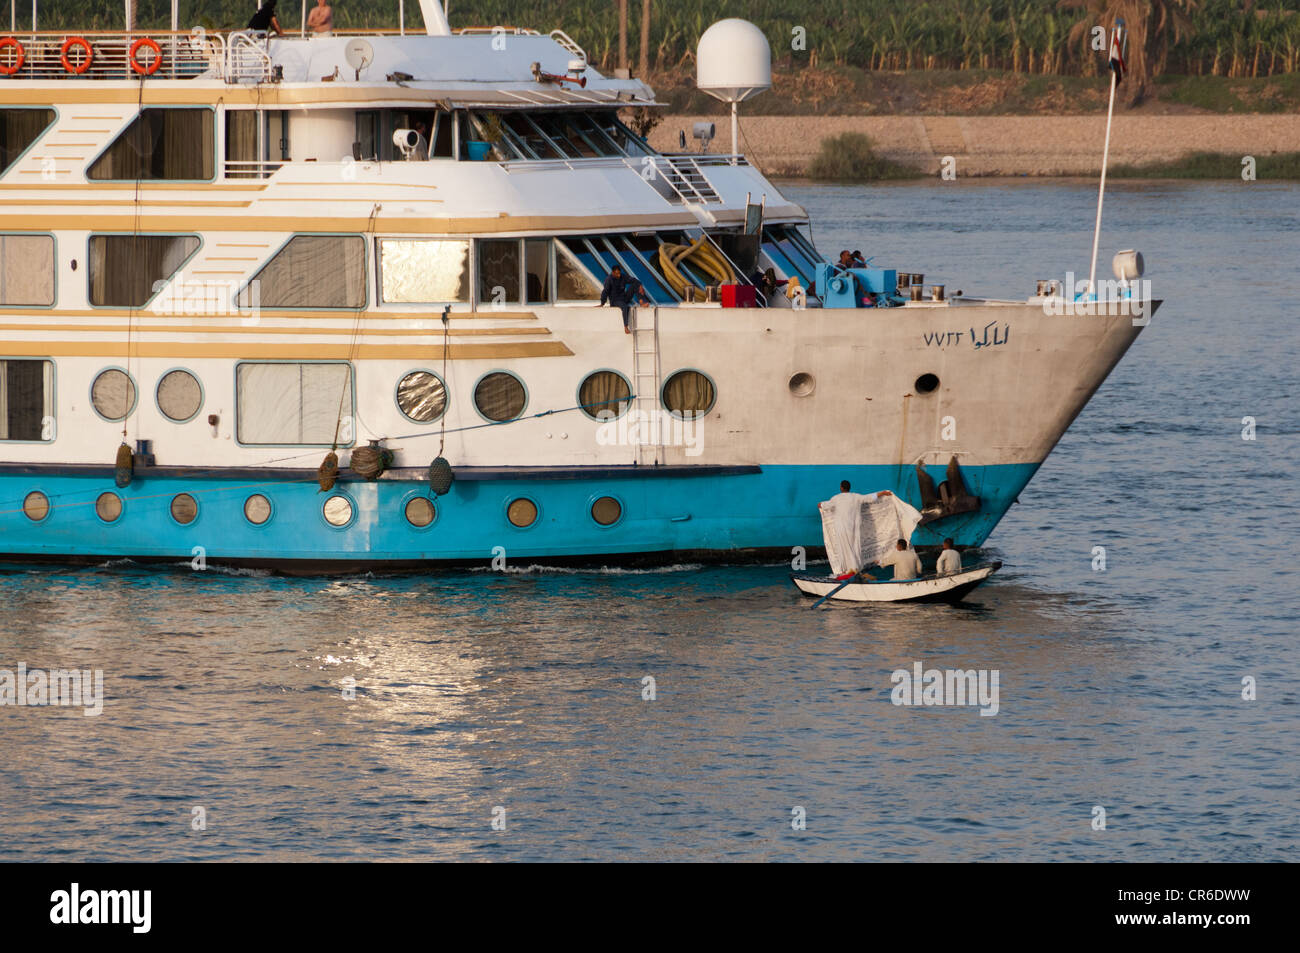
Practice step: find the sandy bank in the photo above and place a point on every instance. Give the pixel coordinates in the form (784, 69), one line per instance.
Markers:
(998, 145)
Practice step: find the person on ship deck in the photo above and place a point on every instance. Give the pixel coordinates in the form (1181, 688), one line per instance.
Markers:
(622, 292)
(265, 20)
(321, 19)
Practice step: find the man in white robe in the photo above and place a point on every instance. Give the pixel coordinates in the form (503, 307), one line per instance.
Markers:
(907, 565)
(843, 531)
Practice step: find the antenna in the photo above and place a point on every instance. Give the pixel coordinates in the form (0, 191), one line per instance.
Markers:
(359, 55)
(733, 62)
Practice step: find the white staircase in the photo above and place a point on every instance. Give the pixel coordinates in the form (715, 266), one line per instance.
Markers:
(646, 381)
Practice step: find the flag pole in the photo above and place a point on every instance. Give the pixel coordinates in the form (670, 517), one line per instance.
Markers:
(1111, 52)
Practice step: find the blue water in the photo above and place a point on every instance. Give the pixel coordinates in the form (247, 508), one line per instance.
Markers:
(1119, 689)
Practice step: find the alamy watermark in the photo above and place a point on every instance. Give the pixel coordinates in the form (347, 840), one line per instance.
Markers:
(653, 427)
(1131, 298)
(56, 688)
(948, 687)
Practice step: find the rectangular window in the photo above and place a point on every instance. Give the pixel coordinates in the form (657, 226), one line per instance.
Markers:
(126, 270)
(423, 271)
(160, 144)
(19, 128)
(498, 272)
(311, 271)
(537, 270)
(293, 404)
(26, 270)
(367, 141)
(571, 280)
(26, 400)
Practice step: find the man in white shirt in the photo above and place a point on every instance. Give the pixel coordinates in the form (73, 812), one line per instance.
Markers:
(949, 559)
(907, 565)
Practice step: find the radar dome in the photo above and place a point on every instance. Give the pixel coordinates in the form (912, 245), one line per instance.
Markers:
(733, 61)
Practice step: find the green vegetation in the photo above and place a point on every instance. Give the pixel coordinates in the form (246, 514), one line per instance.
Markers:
(1281, 166)
(849, 157)
(1234, 38)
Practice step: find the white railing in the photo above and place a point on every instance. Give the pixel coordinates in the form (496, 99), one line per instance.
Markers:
(247, 59)
(41, 55)
(251, 168)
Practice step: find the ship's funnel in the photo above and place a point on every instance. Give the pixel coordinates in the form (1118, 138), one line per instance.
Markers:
(435, 20)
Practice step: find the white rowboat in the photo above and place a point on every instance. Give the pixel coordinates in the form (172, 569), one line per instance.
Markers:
(930, 588)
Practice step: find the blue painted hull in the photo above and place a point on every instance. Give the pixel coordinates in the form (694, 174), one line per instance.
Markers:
(665, 516)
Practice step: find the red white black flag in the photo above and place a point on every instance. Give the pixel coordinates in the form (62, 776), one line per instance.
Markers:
(1118, 40)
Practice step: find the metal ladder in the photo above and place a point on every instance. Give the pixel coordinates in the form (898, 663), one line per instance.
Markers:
(648, 448)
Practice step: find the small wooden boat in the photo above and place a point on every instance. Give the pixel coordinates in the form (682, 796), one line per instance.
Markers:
(930, 588)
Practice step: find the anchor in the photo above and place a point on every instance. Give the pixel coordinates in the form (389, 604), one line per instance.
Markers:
(949, 499)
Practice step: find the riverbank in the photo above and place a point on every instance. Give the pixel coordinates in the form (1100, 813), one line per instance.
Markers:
(997, 145)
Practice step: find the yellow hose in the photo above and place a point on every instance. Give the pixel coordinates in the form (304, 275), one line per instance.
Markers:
(706, 258)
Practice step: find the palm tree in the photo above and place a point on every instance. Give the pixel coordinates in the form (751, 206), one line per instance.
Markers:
(1153, 27)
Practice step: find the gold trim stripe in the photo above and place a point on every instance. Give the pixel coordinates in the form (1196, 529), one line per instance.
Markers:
(143, 314)
(293, 352)
(413, 225)
(141, 328)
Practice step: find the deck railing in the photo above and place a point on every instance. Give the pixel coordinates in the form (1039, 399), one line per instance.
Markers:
(41, 55)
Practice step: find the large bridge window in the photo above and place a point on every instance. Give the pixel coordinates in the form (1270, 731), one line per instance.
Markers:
(518, 134)
(294, 404)
(160, 144)
(19, 128)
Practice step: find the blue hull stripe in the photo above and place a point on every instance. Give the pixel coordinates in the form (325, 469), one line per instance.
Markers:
(774, 508)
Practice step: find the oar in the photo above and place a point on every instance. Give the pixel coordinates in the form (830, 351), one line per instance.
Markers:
(854, 578)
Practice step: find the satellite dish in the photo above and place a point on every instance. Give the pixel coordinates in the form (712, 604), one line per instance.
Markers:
(359, 54)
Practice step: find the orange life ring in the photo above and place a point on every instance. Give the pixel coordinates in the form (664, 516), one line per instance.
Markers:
(157, 56)
(19, 56)
(68, 44)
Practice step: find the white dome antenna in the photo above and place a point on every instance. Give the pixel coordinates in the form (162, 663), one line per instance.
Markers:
(733, 62)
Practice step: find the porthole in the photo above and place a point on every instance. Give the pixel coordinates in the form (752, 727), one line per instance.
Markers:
(337, 511)
(500, 396)
(36, 506)
(802, 385)
(420, 511)
(927, 384)
(113, 394)
(257, 509)
(179, 396)
(184, 508)
(422, 396)
(604, 395)
(108, 507)
(689, 394)
(607, 511)
(522, 512)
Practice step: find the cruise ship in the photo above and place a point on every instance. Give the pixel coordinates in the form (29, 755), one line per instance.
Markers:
(333, 303)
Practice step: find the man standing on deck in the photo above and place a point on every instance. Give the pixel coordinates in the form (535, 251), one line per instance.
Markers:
(321, 20)
(949, 559)
(264, 20)
(620, 291)
(907, 565)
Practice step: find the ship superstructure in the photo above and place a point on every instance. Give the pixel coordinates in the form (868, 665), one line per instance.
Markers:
(235, 255)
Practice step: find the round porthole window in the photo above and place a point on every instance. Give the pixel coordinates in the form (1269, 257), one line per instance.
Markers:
(604, 395)
(184, 508)
(108, 507)
(927, 384)
(689, 394)
(500, 396)
(113, 394)
(420, 512)
(606, 511)
(36, 506)
(257, 509)
(422, 396)
(179, 396)
(801, 384)
(337, 511)
(522, 512)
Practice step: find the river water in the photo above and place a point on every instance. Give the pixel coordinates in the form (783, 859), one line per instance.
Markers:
(519, 697)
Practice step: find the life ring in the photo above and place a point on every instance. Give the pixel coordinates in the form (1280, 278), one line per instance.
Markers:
(19, 55)
(68, 44)
(157, 56)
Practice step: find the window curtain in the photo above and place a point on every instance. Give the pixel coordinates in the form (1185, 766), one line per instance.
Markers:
(124, 268)
(499, 397)
(287, 404)
(688, 393)
(26, 398)
(604, 394)
(312, 271)
(241, 141)
(26, 270)
(19, 128)
(160, 144)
